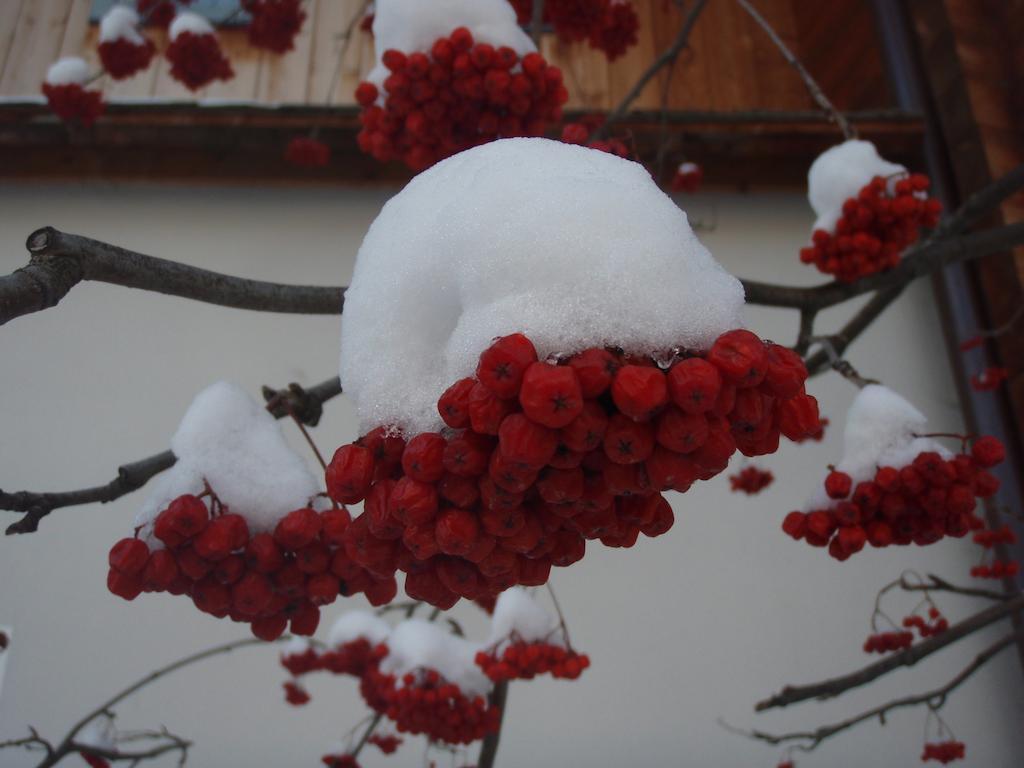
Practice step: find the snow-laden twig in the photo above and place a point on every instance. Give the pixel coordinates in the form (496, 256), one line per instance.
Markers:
(933, 699)
(827, 689)
(305, 404)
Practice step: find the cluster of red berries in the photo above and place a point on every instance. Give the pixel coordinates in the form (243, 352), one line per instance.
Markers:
(159, 13)
(426, 703)
(989, 379)
(874, 229)
(122, 58)
(295, 694)
(944, 751)
(935, 625)
(751, 480)
(541, 456)
(458, 95)
(307, 152)
(386, 743)
(74, 102)
(351, 658)
(94, 760)
(197, 60)
(274, 23)
(920, 503)
(339, 761)
(580, 132)
(265, 580)
(610, 26)
(885, 642)
(688, 178)
(998, 569)
(524, 661)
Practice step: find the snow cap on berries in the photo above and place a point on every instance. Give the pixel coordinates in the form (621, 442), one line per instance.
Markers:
(353, 625)
(839, 173)
(573, 247)
(416, 644)
(230, 440)
(121, 23)
(880, 432)
(70, 70)
(515, 612)
(186, 21)
(413, 25)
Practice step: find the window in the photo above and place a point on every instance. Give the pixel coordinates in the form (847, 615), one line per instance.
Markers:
(217, 11)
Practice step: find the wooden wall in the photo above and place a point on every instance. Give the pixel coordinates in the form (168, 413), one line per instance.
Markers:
(731, 65)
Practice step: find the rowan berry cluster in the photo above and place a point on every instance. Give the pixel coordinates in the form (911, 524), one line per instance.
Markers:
(920, 503)
(265, 580)
(579, 133)
(885, 642)
(458, 95)
(295, 694)
(351, 658)
(307, 152)
(197, 60)
(751, 480)
(122, 58)
(386, 743)
(274, 24)
(688, 177)
(524, 661)
(998, 569)
(339, 761)
(943, 751)
(874, 229)
(72, 101)
(540, 456)
(989, 379)
(936, 623)
(610, 26)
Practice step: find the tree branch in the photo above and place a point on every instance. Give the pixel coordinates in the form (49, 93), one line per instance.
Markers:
(822, 360)
(59, 261)
(668, 56)
(938, 584)
(935, 699)
(306, 404)
(812, 86)
(831, 688)
(489, 749)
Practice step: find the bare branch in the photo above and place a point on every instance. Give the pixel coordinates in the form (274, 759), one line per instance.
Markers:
(307, 405)
(835, 686)
(537, 22)
(838, 343)
(937, 584)
(934, 699)
(812, 86)
(59, 261)
(982, 202)
(489, 748)
(668, 56)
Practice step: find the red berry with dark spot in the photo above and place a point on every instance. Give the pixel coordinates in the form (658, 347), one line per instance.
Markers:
(129, 556)
(639, 391)
(503, 364)
(423, 458)
(594, 371)
(551, 394)
(349, 474)
(454, 403)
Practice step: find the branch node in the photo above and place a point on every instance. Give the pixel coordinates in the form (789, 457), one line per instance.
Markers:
(294, 401)
(39, 241)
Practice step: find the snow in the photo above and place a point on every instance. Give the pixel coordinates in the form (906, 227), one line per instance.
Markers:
(416, 644)
(230, 440)
(879, 432)
(186, 21)
(68, 71)
(839, 173)
(687, 167)
(353, 625)
(414, 25)
(98, 733)
(121, 23)
(295, 646)
(517, 612)
(572, 246)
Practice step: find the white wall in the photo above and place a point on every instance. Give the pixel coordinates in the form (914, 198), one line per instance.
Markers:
(693, 626)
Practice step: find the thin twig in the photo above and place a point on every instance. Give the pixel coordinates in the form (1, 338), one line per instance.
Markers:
(366, 735)
(812, 86)
(827, 689)
(489, 749)
(346, 39)
(934, 700)
(537, 22)
(941, 585)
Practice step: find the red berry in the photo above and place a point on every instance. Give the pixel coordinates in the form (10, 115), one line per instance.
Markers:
(525, 442)
(639, 391)
(350, 473)
(454, 403)
(988, 452)
(594, 371)
(423, 458)
(129, 556)
(627, 441)
(456, 531)
(551, 394)
(740, 356)
(694, 384)
(838, 485)
(299, 528)
(503, 364)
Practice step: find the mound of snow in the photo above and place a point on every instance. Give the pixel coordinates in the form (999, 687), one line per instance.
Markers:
(230, 440)
(186, 21)
(879, 432)
(516, 613)
(416, 644)
(414, 25)
(571, 246)
(68, 71)
(353, 625)
(121, 23)
(839, 173)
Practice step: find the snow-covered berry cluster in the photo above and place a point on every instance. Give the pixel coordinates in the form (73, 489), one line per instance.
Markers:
(274, 24)
(387, 743)
(524, 661)
(943, 751)
(307, 152)
(540, 456)
(610, 26)
(67, 94)
(688, 177)
(265, 580)
(122, 48)
(886, 642)
(751, 480)
(920, 503)
(876, 226)
(194, 52)
(459, 94)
